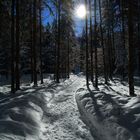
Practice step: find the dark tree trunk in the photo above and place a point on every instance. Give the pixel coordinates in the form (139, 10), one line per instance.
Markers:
(34, 41)
(102, 42)
(123, 33)
(91, 40)
(31, 41)
(109, 40)
(87, 74)
(56, 43)
(58, 47)
(17, 47)
(138, 21)
(68, 62)
(95, 40)
(12, 47)
(40, 41)
(109, 54)
(130, 49)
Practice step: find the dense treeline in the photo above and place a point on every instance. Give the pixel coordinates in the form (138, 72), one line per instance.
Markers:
(33, 47)
(109, 44)
(113, 40)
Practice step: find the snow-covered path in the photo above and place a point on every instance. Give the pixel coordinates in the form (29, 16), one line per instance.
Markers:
(47, 112)
(61, 119)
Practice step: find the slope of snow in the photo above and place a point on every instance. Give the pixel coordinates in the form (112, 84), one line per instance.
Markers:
(110, 112)
(47, 112)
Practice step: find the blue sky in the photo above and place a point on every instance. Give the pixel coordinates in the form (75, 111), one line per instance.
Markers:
(79, 23)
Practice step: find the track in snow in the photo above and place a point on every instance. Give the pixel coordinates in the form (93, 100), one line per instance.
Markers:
(62, 120)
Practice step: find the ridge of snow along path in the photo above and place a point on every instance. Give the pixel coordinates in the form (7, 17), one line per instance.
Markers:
(43, 113)
(109, 112)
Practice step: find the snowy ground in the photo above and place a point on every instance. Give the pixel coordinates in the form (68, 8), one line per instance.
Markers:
(48, 112)
(110, 112)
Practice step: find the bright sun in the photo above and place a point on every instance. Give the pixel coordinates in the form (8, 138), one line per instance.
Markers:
(81, 11)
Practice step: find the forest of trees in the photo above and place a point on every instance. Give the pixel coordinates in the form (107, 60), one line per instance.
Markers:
(113, 37)
(109, 44)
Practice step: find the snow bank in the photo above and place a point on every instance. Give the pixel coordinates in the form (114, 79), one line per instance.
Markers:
(47, 112)
(21, 114)
(21, 117)
(110, 114)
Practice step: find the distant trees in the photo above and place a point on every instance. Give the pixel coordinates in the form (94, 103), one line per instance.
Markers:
(65, 38)
(116, 39)
(109, 43)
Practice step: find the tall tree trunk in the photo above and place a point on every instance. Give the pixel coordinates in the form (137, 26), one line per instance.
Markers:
(109, 54)
(139, 33)
(109, 43)
(86, 20)
(96, 51)
(31, 42)
(91, 40)
(40, 41)
(112, 47)
(130, 48)
(68, 62)
(13, 47)
(138, 20)
(34, 41)
(123, 33)
(58, 45)
(17, 47)
(102, 42)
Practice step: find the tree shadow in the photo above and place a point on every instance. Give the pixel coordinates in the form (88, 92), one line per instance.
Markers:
(125, 120)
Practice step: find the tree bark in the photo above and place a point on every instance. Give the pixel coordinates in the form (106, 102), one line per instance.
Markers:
(95, 39)
(87, 56)
(102, 42)
(17, 47)
(34, 41)
(123, 33)
(12, 47)
(91, 41)
(130, 49)
(40, 41)
(31, 42)
(58, 47)
(68, 62)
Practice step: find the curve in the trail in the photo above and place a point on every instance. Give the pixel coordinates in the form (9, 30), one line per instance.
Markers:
(62, 120)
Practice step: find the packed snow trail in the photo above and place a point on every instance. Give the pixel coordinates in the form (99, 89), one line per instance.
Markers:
(47, 112)
(62, 117)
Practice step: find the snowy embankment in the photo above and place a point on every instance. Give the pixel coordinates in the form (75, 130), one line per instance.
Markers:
(109, 112)
(47, 112)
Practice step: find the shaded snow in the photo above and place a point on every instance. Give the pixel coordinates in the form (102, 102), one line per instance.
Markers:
(110, 112)
(47, 112)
